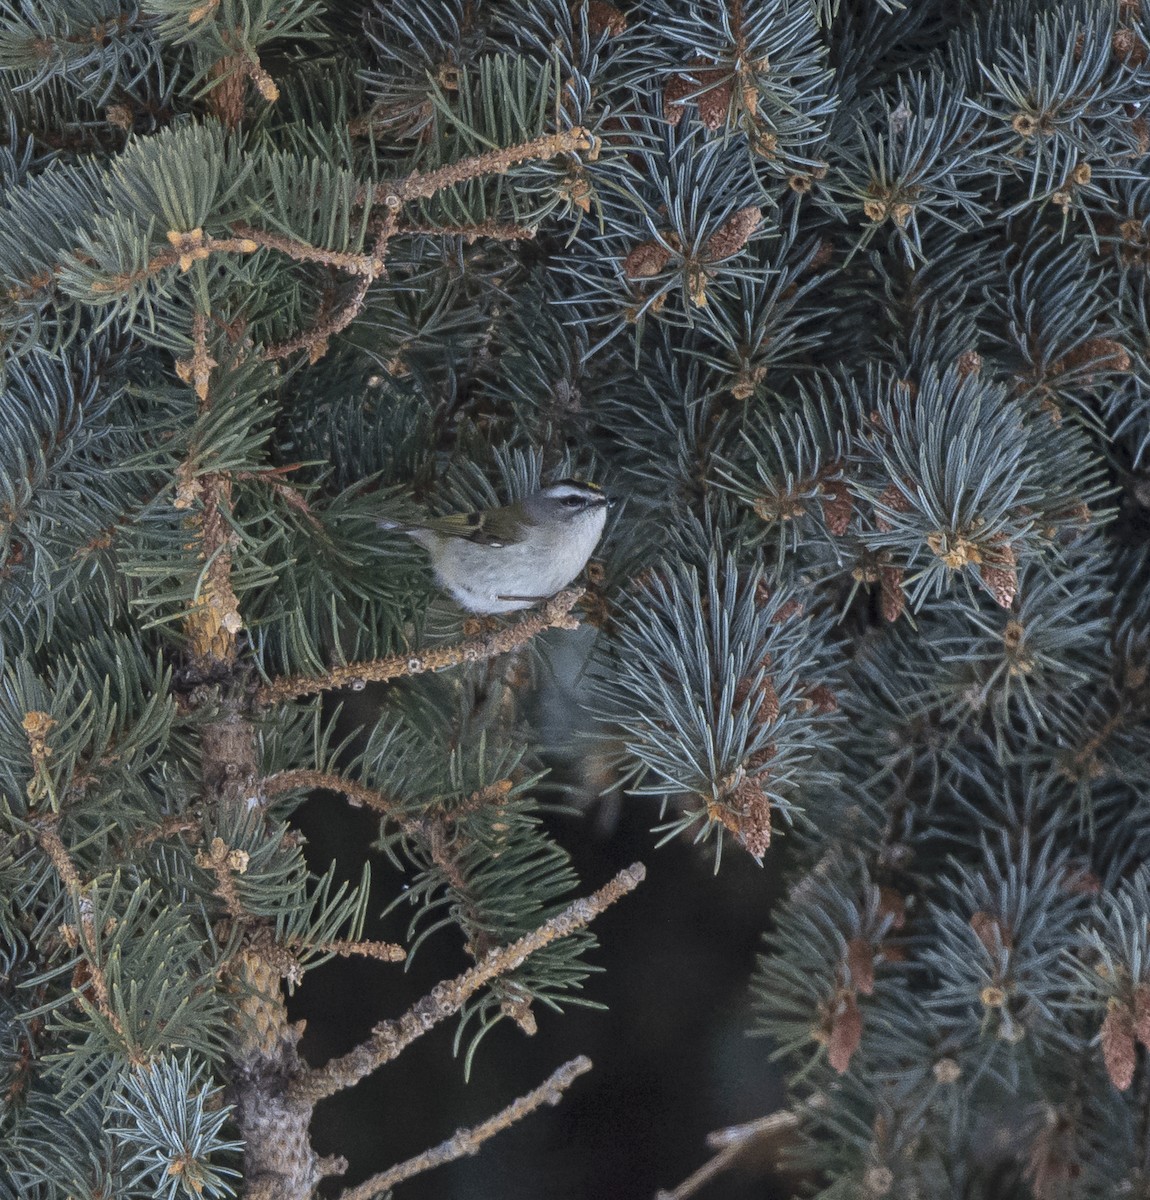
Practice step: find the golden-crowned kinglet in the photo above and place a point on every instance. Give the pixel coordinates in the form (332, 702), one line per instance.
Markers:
(509, 558)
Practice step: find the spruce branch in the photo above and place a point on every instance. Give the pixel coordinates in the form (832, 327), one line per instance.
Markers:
(213, 619)
(83, 936)
(329, 323)
(290, 495)
(390, 1038)
(53, 846)
(449, 854)
(468, 1141)
(359, 794)
(555, 614)
(435, 832)
(168, 827)
(188, 246)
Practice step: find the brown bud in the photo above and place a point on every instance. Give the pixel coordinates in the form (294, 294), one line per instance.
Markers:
(893, 599)
(647, 259)
(1142, 1013)
(1024, 124)
(745, 382)
(792, 608)
(1101, 353)
(1002, 583)
(946, 1070)
(824, 254)
(768, 707)
(878, 1181)
(969, 363)
(892, 904)
(992, 996)
(1140, 128)
(755, 825)
(707, 86)
(732, 235)
(1128, 47)
(991, 932)
(823, 699)
(860, 965)
(838, 507)
(892, 497)
(1080, 881)
(845, 1032)
(1118, 1050)
(875, 210)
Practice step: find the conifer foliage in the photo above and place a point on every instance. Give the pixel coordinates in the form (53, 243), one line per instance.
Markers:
(849, 299)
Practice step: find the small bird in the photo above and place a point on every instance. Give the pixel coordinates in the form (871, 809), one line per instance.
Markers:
(504, 559)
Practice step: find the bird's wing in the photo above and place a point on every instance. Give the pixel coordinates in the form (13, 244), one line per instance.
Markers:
(496, 527)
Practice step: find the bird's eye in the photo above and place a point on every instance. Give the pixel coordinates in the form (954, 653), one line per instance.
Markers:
(573, 501)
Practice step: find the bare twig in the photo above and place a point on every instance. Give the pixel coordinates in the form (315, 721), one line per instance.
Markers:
(390, 1038)
(556, 613)
(492, 231)
(168, 827)
(468, 1141)
(359, 794)
(417, 186)
(381, 951)
(354, 264)
(81, 936)
(735, 1141)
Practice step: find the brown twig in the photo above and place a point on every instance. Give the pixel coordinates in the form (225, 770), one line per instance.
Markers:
(762, 1137)
(193, 245)
(213, 618)
(359, 794)
(167, 828)
(731, 1144)
(382, 951)
(390, 1038)
(53, 846)
(418, 186)
(555, 614)
(493, 231)
(354, 264)
(187, 247)
(468, 1141)
(90, 973)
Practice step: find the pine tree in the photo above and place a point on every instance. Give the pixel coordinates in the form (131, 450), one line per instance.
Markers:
(847, 299)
